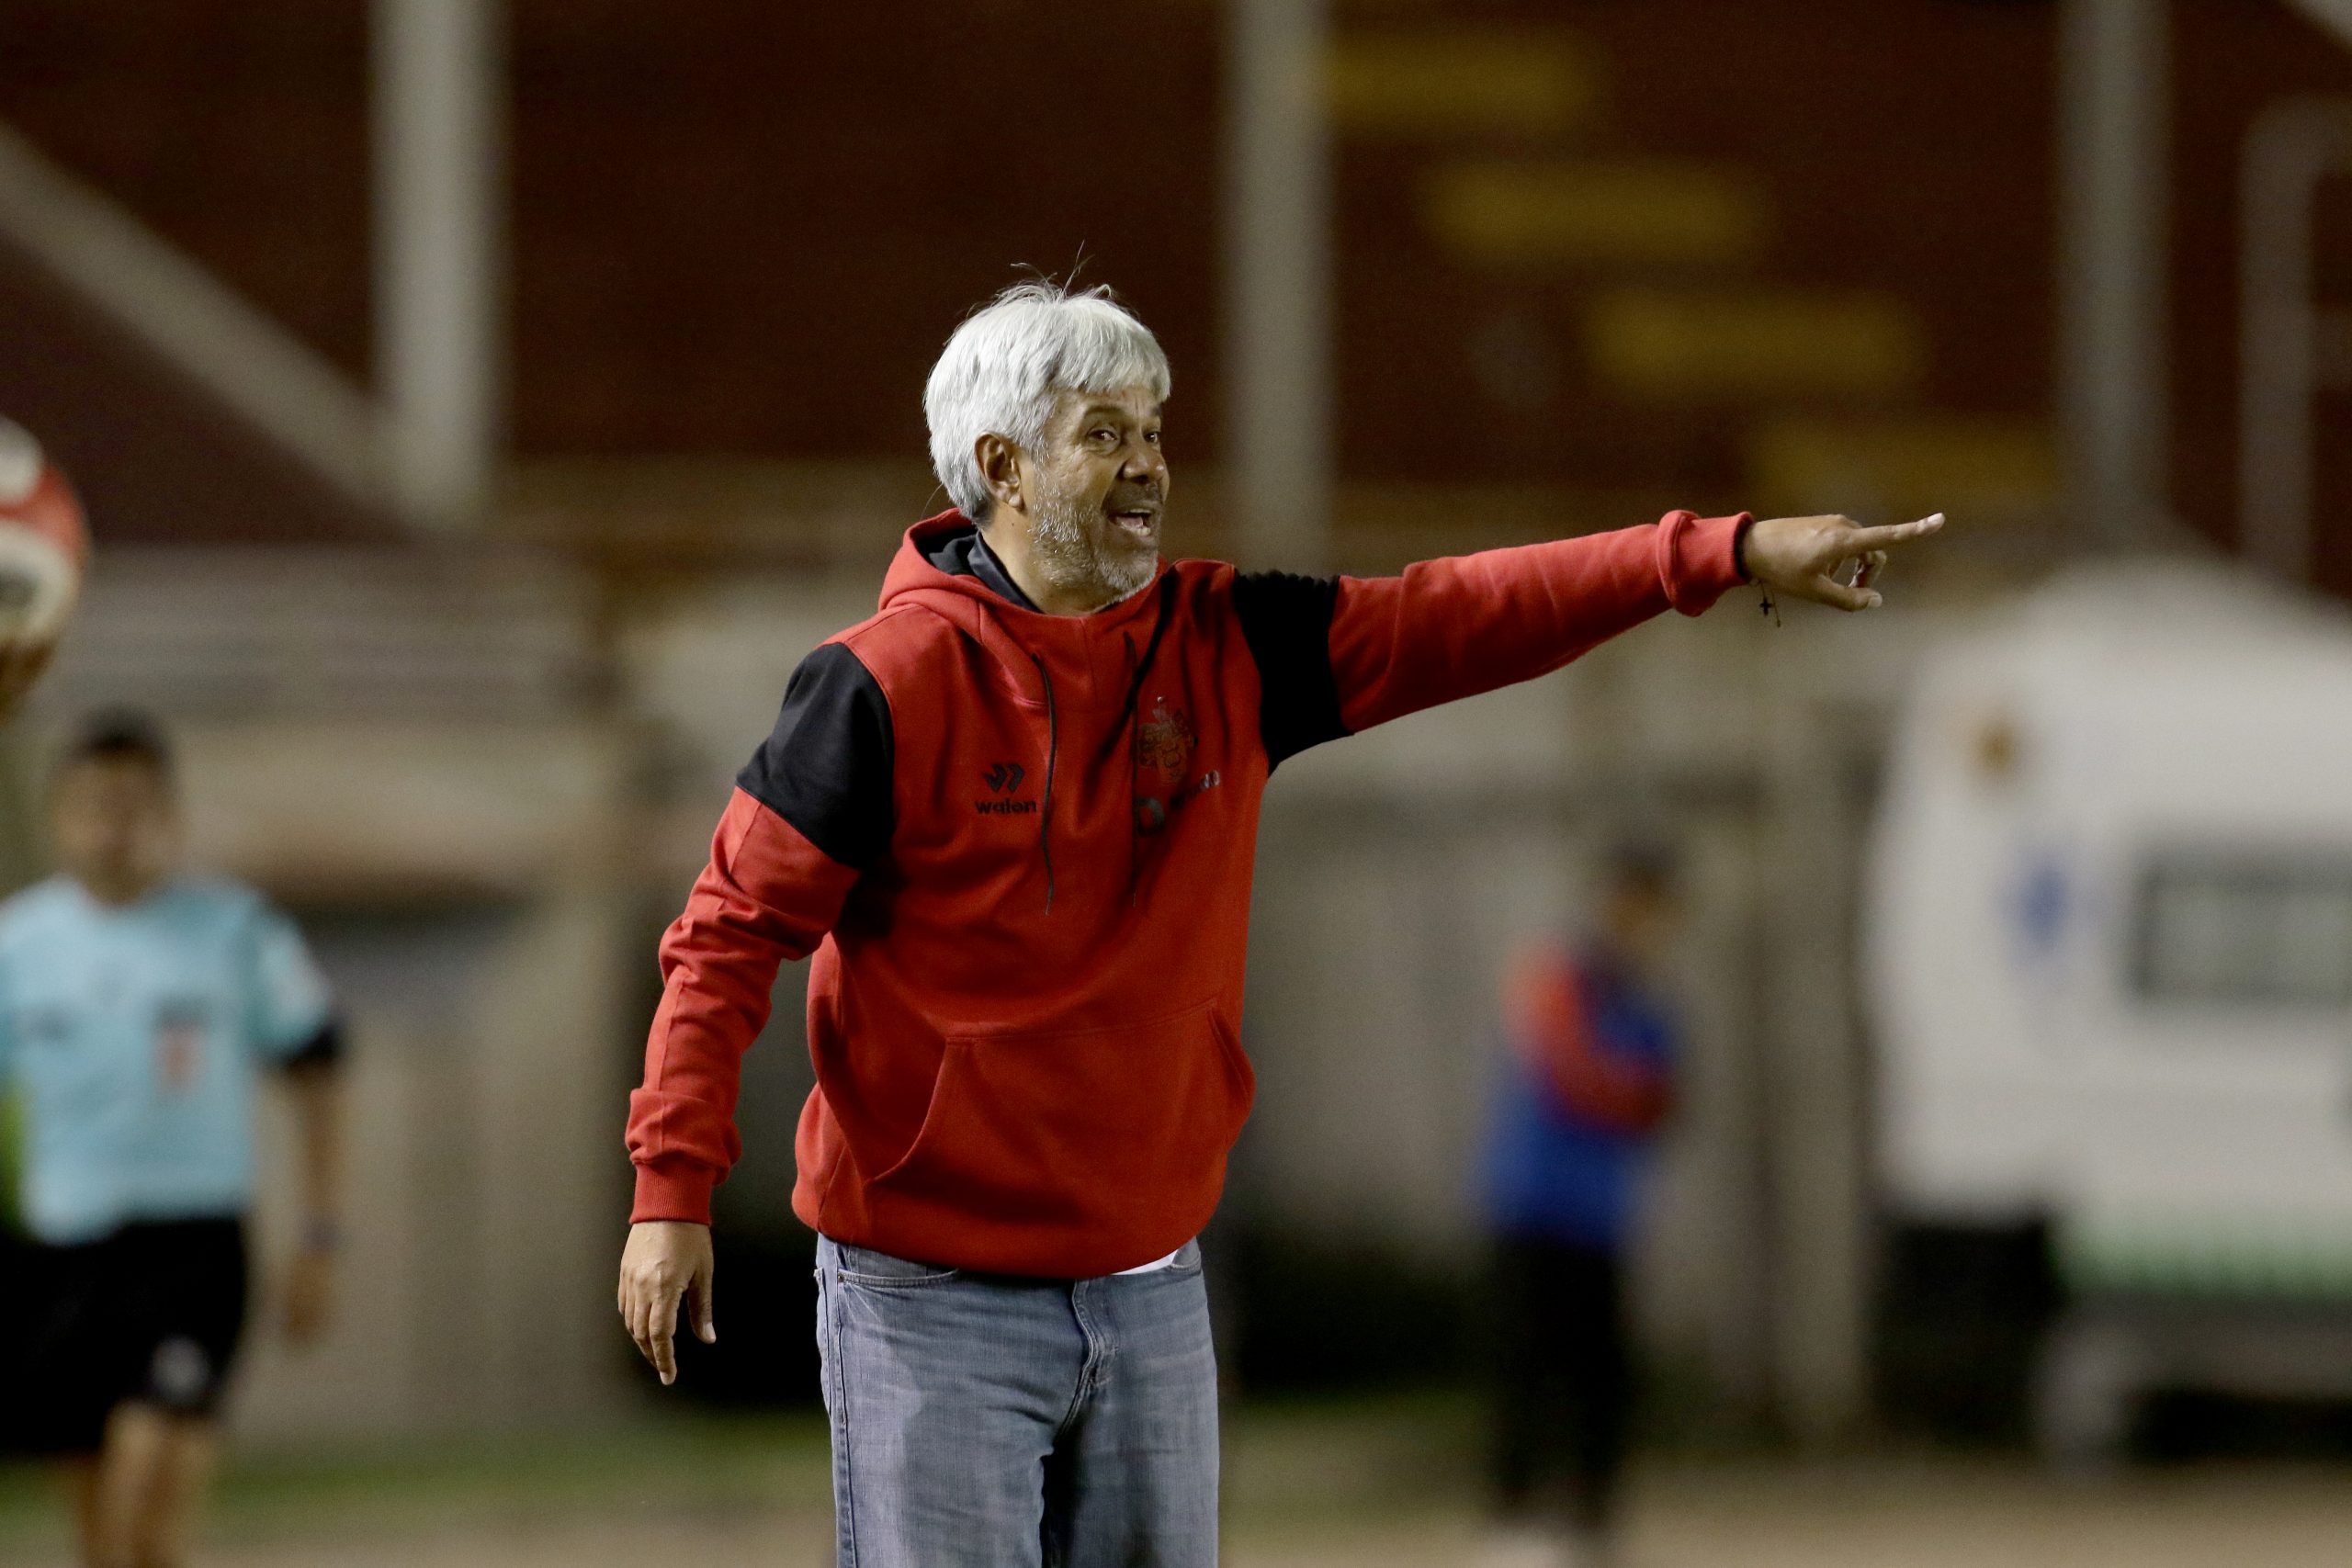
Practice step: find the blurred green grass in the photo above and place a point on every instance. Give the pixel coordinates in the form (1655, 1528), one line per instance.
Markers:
(1364, 1482)
(265, 1492)
(1290, 1465)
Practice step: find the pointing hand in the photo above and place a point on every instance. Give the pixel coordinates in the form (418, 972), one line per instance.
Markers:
(1806, 557)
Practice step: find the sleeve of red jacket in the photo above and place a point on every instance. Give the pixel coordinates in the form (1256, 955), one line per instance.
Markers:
(810, 810)
(1454, 628)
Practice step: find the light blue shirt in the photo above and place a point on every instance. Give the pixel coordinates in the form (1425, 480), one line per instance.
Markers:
(135, 1037)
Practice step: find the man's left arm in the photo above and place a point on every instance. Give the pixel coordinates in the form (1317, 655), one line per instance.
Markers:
(316, 1086)
(296, 1028)
(1450, 629)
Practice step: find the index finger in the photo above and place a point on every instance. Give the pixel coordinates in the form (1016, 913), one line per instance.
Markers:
(1878, 538)
(661, 1327)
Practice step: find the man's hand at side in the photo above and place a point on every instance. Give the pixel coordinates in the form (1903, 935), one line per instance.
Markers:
(664, 1260)
(1806, 557)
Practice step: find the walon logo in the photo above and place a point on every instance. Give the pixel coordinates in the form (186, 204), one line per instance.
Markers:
(1002, 778)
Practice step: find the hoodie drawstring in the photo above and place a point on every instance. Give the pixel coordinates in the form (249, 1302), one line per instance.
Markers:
(1151, 648)
(1134, 771)
(1053, 749)
(1133, 714)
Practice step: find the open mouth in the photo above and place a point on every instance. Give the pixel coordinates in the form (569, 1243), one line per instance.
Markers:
(1140, 520)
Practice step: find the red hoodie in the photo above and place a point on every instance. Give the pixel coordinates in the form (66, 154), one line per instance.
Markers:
(1020, 847)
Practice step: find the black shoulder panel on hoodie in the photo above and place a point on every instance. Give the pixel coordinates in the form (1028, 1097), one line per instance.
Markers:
(1287, 620)
(825, 768)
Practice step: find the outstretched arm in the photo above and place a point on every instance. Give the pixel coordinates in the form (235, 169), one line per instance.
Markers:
(1454, 628)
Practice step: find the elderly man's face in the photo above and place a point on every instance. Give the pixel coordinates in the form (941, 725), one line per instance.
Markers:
(1100, 487)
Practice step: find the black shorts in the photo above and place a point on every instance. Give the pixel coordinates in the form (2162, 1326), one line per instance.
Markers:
(152, 1314)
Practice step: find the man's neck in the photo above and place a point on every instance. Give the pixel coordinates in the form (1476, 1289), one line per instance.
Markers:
(119, 891)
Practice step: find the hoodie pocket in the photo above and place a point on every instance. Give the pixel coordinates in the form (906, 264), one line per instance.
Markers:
(1081, 1125)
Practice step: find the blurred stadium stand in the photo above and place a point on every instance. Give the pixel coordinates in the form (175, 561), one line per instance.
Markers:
(1679, 248)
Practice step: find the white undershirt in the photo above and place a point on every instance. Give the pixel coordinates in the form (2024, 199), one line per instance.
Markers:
(1154, 1266)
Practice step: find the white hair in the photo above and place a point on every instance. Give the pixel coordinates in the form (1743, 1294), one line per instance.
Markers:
(1002, 369)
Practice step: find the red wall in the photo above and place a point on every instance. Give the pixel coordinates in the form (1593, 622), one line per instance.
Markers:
(742, 228)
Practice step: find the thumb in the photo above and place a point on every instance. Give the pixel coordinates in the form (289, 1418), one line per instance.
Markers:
(1826, 590)
(705, 1325)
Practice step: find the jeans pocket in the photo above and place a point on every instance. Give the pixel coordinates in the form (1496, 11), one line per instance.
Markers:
(864, 1266)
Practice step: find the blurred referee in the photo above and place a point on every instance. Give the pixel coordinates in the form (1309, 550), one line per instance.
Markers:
(139, 1009)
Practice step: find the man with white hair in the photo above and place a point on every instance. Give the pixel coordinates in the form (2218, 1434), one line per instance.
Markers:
(1013, 815)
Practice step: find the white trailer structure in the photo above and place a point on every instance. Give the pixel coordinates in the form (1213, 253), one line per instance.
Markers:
(2110, 954)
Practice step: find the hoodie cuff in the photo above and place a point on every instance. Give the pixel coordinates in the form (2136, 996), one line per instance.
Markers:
(673, 1189)
(1697, 559)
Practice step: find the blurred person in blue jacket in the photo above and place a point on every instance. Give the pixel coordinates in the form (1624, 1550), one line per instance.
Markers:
(139, 1008)
(1588, 1079)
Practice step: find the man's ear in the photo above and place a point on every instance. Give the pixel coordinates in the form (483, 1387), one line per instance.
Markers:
(1000, 462)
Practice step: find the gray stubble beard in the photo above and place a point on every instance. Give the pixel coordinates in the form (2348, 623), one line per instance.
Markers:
(1065, 556)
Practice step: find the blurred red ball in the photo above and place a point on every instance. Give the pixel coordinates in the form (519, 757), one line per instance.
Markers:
(44, 545)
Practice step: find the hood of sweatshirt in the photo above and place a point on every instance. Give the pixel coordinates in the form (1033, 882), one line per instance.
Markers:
(1089, 661)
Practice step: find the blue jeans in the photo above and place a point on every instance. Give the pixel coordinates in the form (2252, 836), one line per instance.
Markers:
(983, 1421)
